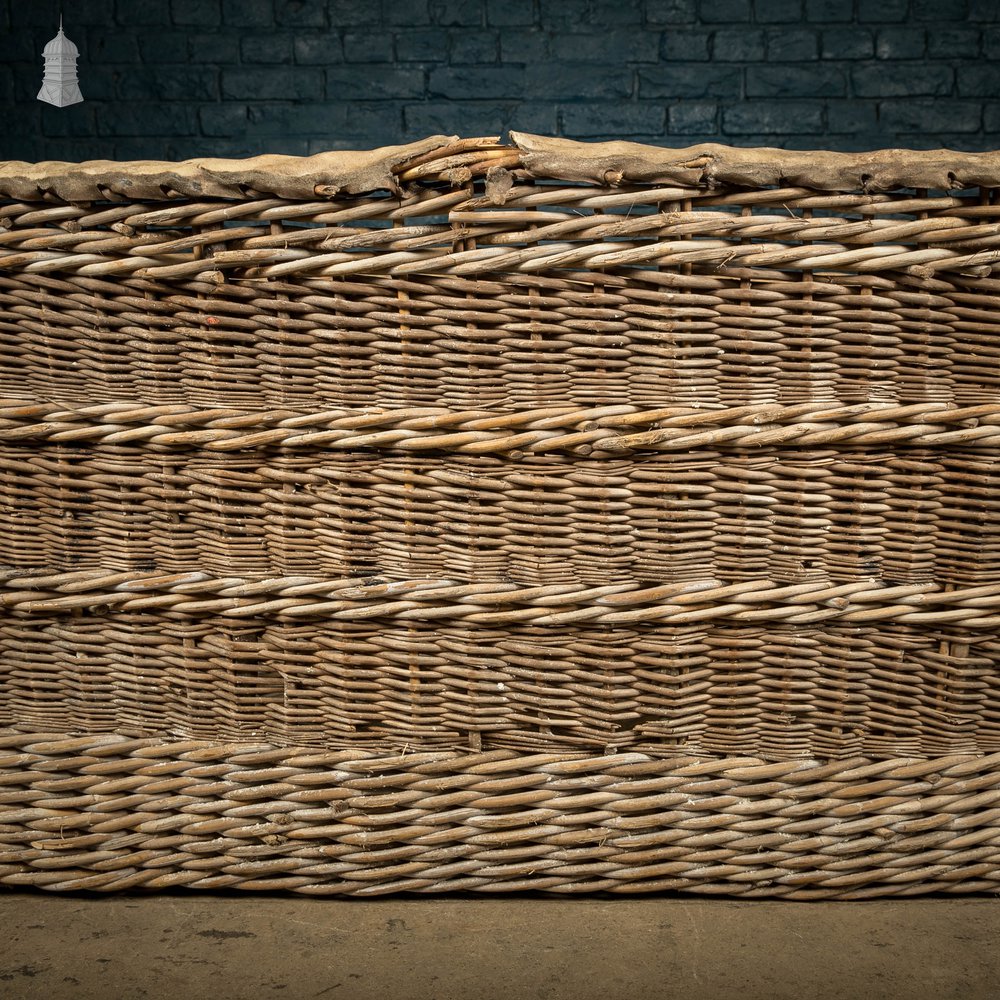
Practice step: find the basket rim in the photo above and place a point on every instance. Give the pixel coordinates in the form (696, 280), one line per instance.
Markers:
(458, 161)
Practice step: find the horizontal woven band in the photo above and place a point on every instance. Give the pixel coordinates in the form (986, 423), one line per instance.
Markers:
(500, 603)
(582, 431)
(719, 250)
(108, 813)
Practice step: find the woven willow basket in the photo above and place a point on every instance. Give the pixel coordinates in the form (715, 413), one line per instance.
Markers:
(470, 516)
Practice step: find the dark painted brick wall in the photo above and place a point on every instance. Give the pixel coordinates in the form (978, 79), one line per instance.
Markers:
(179, 78)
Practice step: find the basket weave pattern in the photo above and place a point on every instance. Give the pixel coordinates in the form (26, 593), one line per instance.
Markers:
(469, 516)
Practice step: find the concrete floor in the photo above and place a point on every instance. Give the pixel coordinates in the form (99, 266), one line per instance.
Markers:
(242, 947)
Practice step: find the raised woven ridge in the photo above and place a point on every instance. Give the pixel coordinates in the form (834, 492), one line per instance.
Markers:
(608, 429)
(111, 814)
(499, 603)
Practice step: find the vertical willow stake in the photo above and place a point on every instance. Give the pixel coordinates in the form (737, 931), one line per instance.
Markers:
(59, 85)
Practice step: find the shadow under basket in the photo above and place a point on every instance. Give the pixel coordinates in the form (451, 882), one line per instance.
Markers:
(480, 516)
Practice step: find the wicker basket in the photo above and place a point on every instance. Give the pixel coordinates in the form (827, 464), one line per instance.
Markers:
(471, 516)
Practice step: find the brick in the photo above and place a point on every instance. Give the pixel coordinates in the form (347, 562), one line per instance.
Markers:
(797, 142)
(346, 140)
(141, 12)
(991, 43)
(576, 81)
(328, 143)
(563, 15)
(97, 83)
(883, 11)
(982, 80)
(939, 10)
(353, 13)
(270, 48)
(25, 46)
(864, 142)
(535, 116)
(901, 80)
(314, 118)
(135, 149)
(791, 45)
(972, 143)
(847, 43)
(422, 45)
(991, 122)
(984, 10)
(777, 11)
(524, 45)
(28, 146)
(795, 81)
(851, 117)
(369, 118)
(171, 83)
(930, 116)
(474, 48)
(26, 89)
(477, 117)
(900, 43)
(724, 11)
(219, 47)
(435, 118)
(773, 119)
(20, 121)
(196, 12)
(370, 138)
(676, 45)
(321, 50)
(223, 119)
(607, 13)
(162, 148)
(272, 84)
(607, 46)
(157, 119)
(671, 12)
(372, 83)
(830, 11)
(164, 47)
(953, 43)
(248, 13)
(629, 119)
(300, 13)
(76, 120)
(692, 118)
(37, 15)
(738, 45)
(257, 145)
(88, 12)
(451, 13)
(690, 80)
(470, 82)
(411, 12)
(27, 80)
(367, 47)
(504, 13)
(114, 46)
(686, 139)
(71, 149)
